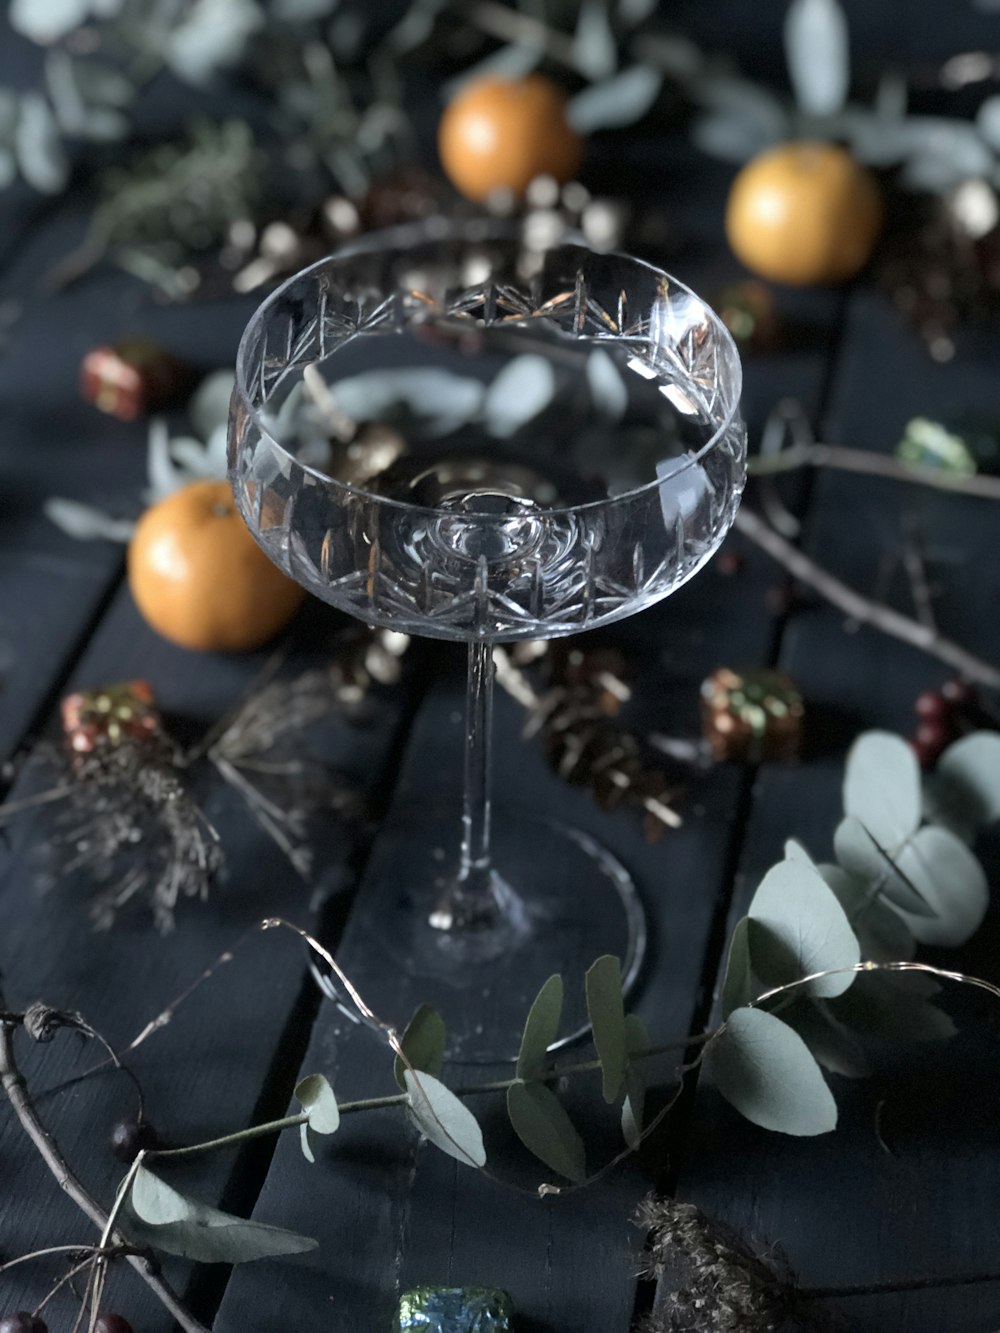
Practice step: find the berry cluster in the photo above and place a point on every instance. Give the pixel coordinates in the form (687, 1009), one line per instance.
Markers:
(944, 715)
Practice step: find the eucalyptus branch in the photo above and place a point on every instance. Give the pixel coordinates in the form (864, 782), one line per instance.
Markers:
(511, 25)
(17, 1094)
(862, 609)
(843, 459)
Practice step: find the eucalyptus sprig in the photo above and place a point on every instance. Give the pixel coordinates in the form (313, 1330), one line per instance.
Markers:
(812, 972)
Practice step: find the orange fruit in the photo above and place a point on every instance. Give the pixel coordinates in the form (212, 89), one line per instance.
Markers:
(200, 579)
(804, 213)
(499, 134)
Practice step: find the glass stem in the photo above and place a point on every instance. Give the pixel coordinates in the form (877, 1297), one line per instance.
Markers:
(473, 897)
(478, 744)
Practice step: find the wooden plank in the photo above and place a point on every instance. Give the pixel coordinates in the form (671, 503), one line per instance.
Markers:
(212, 1069)
(51, 586)
(389, 1214)
(851, 1208)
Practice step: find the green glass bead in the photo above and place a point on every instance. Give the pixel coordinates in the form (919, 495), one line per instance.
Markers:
(455, 1310)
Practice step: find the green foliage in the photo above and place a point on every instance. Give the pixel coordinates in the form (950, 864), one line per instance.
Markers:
(444, 1120)
(542, 1124)
(605, 1005)
(882, 787)
(637, 1042)
(423, 1044)
(965, 790)
(541, 1028)
(766, 1070)
(738, 987)
(317, 1100)
(797, 928)
(169, 1221)
(900, 878)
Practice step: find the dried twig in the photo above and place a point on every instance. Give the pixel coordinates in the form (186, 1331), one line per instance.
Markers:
(17, 1094)
(871, 464)
(861, 608)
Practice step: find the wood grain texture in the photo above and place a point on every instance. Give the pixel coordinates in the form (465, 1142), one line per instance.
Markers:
(896, 1193)
(227, 1059)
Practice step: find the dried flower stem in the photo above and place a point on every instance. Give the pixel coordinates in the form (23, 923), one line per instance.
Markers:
(861, 608)
(17, 1094)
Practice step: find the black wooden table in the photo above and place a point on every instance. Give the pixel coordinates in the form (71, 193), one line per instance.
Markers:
(900, 1200)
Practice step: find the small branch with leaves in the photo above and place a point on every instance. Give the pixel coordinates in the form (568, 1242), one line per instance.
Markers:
(807, 977)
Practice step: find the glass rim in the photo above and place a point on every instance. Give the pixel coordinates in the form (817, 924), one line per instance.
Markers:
(485, 229)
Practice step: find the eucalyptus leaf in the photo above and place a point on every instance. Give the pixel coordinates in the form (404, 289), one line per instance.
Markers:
(797, 928)
(634, 11)
(794, 851)
(38, 148)
(882, 933)
(605, 1006)
(8, 168)
(966, 785)
(731, 136)
(162, 473)
(192, 458)
(540, 1028)
(444, 1120)
(737, 986)
(817, 51)
(46, 21)
(86, 523)
(211, 35)
(877, 1007)
(443, 401)
(749, 114)
(423, 1044)
(861, 856)
(318, 1101)
(520, 392)
(637, 1042)
(882, 787)
(595, 50)
(833, 1044)
(943, 151)
(633, 1107)
(302, 11)
(950, 880)
(176, 1224)
(988, 121)
(209, 406)
(616, 102)
(74, 114)
(541, 1123)
(764, 1068)
(509, 62)
(608, 390)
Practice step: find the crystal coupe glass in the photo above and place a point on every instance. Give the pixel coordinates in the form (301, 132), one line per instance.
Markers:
(571, 452)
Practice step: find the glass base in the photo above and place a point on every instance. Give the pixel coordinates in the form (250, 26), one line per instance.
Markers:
(565, 901)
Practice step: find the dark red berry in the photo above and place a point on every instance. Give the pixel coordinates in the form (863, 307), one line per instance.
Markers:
(926, 755)
(729, 563)
(23, 1322)
(957, 692)
(934, 733)
(129, 1137)
(112, 1323)
(932, 706)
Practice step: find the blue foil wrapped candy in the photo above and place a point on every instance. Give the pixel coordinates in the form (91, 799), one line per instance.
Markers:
(455, 1310)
